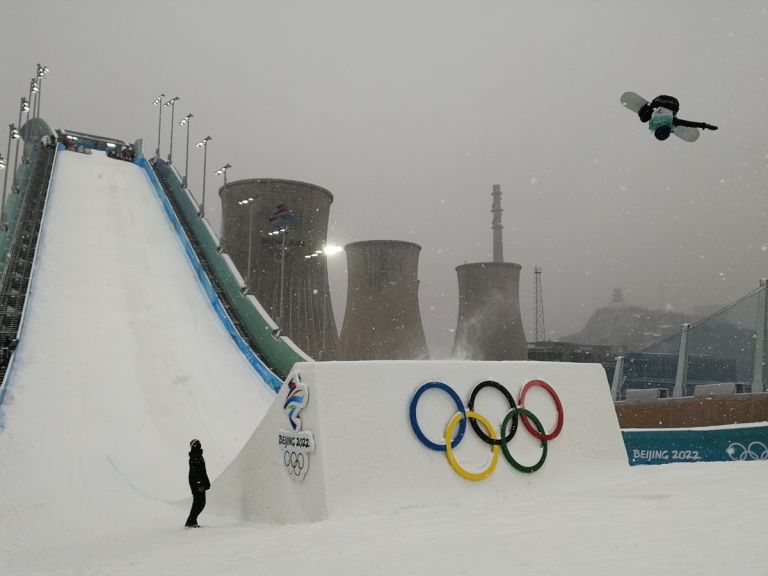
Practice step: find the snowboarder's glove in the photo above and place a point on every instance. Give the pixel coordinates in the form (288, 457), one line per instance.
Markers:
(709, 127)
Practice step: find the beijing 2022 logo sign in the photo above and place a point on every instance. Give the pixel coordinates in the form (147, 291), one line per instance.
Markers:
(295, 444)
(507, 429)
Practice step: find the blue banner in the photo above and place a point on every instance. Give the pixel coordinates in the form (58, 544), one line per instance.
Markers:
(713, 444)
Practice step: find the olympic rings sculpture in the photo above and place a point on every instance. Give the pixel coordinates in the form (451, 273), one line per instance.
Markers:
(484, 429)
(294, 462)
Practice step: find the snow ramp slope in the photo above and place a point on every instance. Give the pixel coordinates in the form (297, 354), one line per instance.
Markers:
(121, 361)
(353, 448)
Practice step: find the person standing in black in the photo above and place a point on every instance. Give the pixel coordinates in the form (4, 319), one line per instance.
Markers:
(198, 482)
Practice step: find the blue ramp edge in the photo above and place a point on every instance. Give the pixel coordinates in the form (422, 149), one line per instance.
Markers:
(739, 442)
(269, 378)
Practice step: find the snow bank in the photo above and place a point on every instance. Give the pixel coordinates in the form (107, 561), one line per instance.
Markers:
(367, 457)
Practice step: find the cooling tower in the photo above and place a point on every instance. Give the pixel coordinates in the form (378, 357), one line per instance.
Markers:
(382, 320)
(489, 325)
(279, 271)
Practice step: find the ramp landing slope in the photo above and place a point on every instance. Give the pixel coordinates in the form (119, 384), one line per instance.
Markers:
(121, 362)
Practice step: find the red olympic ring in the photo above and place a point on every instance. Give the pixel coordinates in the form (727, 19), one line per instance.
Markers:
(558, 427)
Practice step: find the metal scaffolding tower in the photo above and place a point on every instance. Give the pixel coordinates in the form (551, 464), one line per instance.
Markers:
(540, 333)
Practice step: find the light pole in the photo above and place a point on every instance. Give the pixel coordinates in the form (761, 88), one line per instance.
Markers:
(23, 108)
(223, 172)
(204, 145)
(2, 162)
(282, 232)
(41, 72)
(249, 202)
(327, 250)
(172, 104)
(185, 122)
(159, 103)
(13, 134)
(33, 89)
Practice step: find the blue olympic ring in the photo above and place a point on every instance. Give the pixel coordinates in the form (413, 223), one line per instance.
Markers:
(459, 404)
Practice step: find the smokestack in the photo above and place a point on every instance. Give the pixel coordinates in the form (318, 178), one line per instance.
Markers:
(498, 245)
(490, 326)
(382, 320)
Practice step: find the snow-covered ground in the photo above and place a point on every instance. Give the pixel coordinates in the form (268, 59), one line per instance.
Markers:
(122, 361)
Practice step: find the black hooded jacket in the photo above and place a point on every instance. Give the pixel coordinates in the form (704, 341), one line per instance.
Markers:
(670, 103)
(198, 477)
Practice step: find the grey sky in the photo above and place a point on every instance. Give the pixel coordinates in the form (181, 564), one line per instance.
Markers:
(409, 112)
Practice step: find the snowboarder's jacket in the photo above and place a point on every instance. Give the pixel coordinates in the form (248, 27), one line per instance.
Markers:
(663, 111)
(198, 477)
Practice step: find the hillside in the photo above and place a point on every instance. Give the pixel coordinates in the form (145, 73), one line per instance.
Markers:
(629, 327)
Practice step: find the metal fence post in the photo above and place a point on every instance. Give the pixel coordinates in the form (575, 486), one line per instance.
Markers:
(758, 372)
(618, 378)
(681, 378)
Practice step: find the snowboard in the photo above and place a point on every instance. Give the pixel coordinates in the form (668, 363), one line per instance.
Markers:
(634, 102)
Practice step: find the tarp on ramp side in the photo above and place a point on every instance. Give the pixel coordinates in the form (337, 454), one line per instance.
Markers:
(365, 455)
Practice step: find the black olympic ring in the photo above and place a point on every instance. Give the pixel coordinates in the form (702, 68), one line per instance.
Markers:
(512, 407)
(536, 428)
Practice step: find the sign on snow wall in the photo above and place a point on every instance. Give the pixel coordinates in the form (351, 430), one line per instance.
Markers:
(713, 444)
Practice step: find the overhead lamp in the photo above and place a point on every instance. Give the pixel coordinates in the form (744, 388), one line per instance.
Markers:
(330, 249)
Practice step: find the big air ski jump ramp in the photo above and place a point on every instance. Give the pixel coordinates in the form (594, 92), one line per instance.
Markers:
(151, 366)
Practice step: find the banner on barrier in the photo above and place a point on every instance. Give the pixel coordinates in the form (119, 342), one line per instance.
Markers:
(713, 444)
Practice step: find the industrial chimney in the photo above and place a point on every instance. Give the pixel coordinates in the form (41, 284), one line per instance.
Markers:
(382, 320)
(489, 325)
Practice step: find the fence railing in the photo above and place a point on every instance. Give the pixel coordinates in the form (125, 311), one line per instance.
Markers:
(724, 353)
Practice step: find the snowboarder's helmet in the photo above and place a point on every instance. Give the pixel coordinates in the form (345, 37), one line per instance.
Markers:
(662, 132)
(194, 443)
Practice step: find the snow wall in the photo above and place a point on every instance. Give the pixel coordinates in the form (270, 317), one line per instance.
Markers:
(362, 454)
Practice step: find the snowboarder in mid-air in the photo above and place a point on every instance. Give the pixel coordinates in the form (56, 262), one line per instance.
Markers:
(198, 482)
(661, 116)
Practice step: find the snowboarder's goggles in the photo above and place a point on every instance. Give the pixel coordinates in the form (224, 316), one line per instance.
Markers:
(659, 121)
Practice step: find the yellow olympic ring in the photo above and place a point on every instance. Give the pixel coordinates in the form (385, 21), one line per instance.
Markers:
(449, 450)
